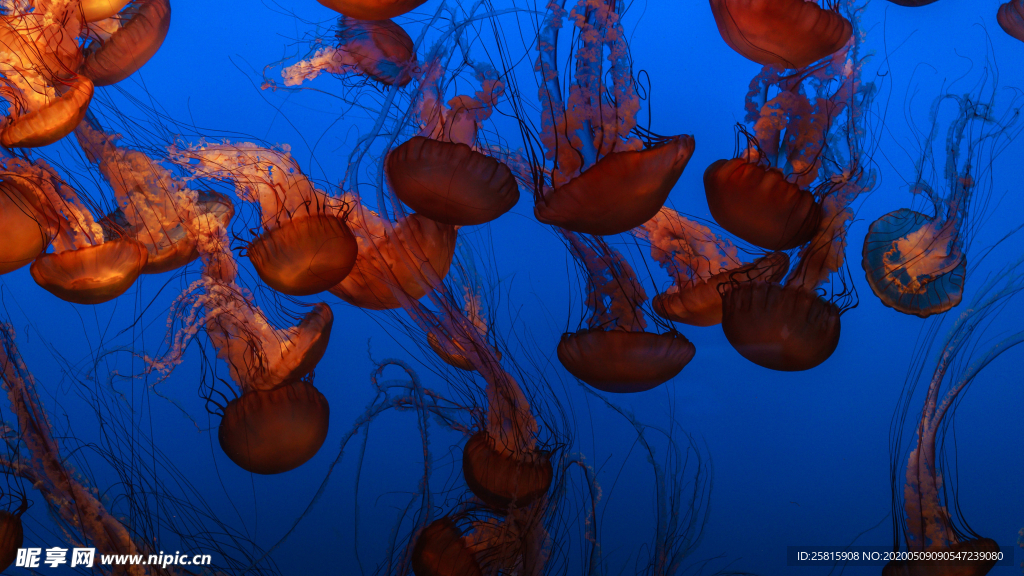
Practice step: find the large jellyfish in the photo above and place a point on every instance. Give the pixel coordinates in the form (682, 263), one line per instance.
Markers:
(85, 267)
(155, 208)
(306, 247)
(699, 262)
(603, 178)
(789, 326)
(25, 230)
(925, 520)
(916, 263)
(1011, 18)
(279, 420)
(123, 42)
(782, 33)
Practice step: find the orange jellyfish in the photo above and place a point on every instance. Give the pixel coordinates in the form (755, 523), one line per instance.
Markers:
(604, 179)
(122, 43)
(25, 228)
(927, 524)
(1011, 18)
(393, 260)
(280, 420)
(84, 267)
(699, 263)
(442, 173)
(306, 247)
(441, 550)
(157, 209)
(379, 49)
(789, 326)
(916, 263)
(449, 349)
(783, 33)
(39, 60)
(372, 9)
(615, 353)
(12, 535)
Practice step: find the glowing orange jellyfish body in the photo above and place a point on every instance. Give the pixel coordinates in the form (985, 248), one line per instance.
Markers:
(604, 179)
(379, 49)
(501, 480)
(12, 537)
(124, 44)
(784, 33)
(372, 9)
(25, 230)
(54, 120)
(441, 550)
(1011, 18)
(306, 246)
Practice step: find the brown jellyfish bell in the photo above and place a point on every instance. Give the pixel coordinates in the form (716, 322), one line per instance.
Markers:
(12, 537)
(1011, 18)
(441, 550)
(52, 121)
(123, 44)
(25, 228)
(785, 33)
(378, 49)
(372, 9)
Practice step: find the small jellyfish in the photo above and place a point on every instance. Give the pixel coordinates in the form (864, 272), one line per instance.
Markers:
(604, 179)
(441, 172)
(783, 33)
(441, 550)
(615, 353)
(916, 263)
(372, 9)
(123, 43)
(1011, 18)
(927, 524)
(913, 3)
(699, 263)
(12, 536)
(280, 420)
(379, 49)
(306, 247)
(394, 260)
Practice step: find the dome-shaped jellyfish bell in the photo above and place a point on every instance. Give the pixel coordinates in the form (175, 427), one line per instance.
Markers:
(380, 49)
(502, 477)
(622, 362)
(269, 431)
(779, 327)
(24, 230)
(55, 120)
(759, 205)
(305, 255)
(144, 26)
(700, 303)
(93, 274)
(619, 192)
(913, 3)
(1011, 18)
(970, 565)
(783, 33)
(372, 9)
(450, 182)
(901, 270)
(95, 10)
(441, 550)
(12, 537)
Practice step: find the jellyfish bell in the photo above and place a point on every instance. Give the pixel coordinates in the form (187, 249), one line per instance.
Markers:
(372, 9)
(92, 274)
(913, 3)
(913, 263)
(503, 477)
(760, 205)
(12, 538)
(1011, 18)
(784, 328)
(305, 255)
(380, 49)
(618, 193)
(620, 361)
(54, 120)
(93, 10)
(25, 231)
(441, 550)
(141, 30)
(979, 555)
(784, 33)
(451, 183)
(700, 303)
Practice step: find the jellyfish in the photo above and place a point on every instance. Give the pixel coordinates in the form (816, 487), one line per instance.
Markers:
(783, 33)
(379, 49)
(449, 349)
(39, 61)
(441, 172)
(25, 230)
(916, 263)
(604, 179)
(12, 535)
(84, 268)
(615, 353)
(790, 326)
(306, 246)
(700, 262)
(926, 522)
(372, 9)
(122, 43)
(280, 420)
(1011, 18)
(155, 208)
(912, 3)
